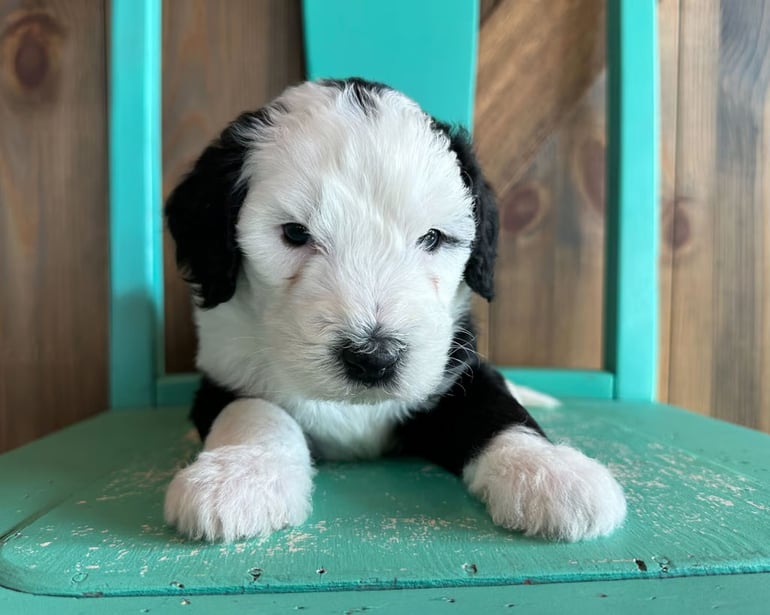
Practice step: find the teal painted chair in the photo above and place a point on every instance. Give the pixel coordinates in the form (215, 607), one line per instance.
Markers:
(81, 527)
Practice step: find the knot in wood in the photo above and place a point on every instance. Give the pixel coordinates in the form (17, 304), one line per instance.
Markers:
(30, 51)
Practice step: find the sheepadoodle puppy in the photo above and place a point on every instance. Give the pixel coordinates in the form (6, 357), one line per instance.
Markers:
(333, 239)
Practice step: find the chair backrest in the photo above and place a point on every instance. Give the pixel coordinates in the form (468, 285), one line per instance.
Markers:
(428, 50)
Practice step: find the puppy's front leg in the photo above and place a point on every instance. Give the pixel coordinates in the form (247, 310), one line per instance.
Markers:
(478, 430)
(253, 477)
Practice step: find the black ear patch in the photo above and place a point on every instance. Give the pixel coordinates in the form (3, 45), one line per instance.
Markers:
(480, 268)
(202, 212)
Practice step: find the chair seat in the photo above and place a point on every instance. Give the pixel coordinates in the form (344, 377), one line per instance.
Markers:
(81, 516)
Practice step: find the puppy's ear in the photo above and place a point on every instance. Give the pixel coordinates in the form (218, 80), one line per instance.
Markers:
(480, 268)
(202, 212)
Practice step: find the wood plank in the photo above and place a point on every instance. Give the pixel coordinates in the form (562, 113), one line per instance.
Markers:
(535, 60)
(219, 59)
(764, 272)
(740, 211)
(668, 36)
(486, 8)
(551, 209)
(548, 310)
(692, 314)
(53, 216)
(747, 594)
(720, 351)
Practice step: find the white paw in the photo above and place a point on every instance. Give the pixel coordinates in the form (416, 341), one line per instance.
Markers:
(531, 485)
(530, 398)
(240, 491)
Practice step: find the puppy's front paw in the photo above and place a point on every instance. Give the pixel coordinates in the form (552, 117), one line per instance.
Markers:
(238, 491)
(541, 488)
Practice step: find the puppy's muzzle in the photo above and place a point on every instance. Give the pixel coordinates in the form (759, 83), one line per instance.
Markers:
(373, 361)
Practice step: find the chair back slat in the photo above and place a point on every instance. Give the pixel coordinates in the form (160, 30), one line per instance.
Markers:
(633, 150)
(136, 258)
(427, 49)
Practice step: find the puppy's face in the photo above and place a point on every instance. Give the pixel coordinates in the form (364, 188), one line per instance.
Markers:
(352, 222)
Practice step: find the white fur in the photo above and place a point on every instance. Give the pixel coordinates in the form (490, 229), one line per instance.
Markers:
(532, 485)
(367, 186)
(348, 431)
(253, 477)
(366, 194)
(530, 398)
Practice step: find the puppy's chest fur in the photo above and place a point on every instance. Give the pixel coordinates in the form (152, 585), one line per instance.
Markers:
(338, 431)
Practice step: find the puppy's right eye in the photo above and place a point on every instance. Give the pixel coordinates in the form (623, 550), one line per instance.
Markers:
(295, 234)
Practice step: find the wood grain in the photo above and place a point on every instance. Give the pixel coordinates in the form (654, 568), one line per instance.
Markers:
(53, 216)
(481, 308)
(486, 8)
(719, 354)
(550, 272)
(692, 318)
(546, 161)
(668, 32)
(742, 163)
(535, 61)
(219, 59)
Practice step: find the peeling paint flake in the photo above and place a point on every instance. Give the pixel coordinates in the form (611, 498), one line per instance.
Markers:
(718, 500)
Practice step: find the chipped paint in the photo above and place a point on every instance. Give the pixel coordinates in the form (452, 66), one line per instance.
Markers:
(402, 523)
(716, 500)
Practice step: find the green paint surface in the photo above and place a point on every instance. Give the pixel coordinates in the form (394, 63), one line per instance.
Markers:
(81, 514)
(744, 594)
(426, 49)
(631, 300)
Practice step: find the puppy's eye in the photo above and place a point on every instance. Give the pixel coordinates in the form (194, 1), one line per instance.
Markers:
(431, 240)
(295, 234)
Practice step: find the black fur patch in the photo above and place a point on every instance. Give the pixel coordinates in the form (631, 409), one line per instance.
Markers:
(362, 92)
(209, 401)
(455, 430)
(480, 268)
(202, 212)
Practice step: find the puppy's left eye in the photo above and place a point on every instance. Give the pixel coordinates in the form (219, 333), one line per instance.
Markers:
(295, 234)
(431, 240)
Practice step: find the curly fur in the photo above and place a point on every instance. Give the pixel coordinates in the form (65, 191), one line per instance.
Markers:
(350, 336)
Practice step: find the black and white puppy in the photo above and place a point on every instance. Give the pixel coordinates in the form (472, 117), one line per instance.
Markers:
(333, 239)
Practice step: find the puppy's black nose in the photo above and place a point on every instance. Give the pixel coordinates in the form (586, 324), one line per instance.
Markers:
(373, 362)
